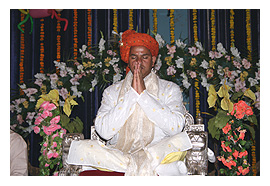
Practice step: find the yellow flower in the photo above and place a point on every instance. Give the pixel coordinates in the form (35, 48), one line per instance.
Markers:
(106, 61)
(168, 60)
(226, 103)
(52, 96)
(88, 64)
(212, 64)
(68, 102)
(193, 62)
(243, 75)
(25, 104)
(212, 96)
(43, 89)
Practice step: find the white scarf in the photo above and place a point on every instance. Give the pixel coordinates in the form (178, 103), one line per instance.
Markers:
(138, 131)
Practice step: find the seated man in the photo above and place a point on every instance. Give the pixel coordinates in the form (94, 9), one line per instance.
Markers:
(142, 116)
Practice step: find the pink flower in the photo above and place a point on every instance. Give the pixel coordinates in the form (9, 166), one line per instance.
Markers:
(55, 173)
(171, 50)
(30, 115)
(237, 64)
(63, 92)
(20, 119)
(55, 120)
(54, 77)
(45, 144)
(50, 154)
(36, 129)
(89, 56)
(209, 73)
(62, 132)
(171, 70)
(55, 154)
(194, 51)
(46, 131)
(44, 105)
(47, 165)
(246, 64)
(215, 54)
(239, 84)
(46, 114)
(55, 135)
(53, 127)
(54, 144)
(38, 120)
(192, 74)
(30, 91)
(51, 107)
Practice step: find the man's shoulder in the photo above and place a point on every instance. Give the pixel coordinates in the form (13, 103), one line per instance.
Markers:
(167, 84)
(115, 87)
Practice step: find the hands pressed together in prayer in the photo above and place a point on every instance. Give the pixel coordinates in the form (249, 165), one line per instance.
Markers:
(137, 82)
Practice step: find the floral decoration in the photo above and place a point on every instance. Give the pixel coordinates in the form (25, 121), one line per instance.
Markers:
(226, 76)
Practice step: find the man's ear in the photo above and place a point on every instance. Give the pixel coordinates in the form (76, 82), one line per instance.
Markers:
(154, 58)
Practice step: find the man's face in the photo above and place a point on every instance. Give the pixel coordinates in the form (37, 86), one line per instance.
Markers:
(143, 56)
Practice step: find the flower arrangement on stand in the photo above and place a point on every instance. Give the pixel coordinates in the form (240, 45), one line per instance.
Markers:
(234, 154)
(49, 127)
(228, 78)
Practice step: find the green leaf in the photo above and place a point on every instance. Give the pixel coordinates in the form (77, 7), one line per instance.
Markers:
(213, 130)
(221, 119)
(78, 124)
(253, 119)
(237, 95)
(64, 120)
(251, 130)
(243, 142)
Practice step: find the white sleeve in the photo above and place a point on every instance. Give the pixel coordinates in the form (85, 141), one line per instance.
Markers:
(111, 115)
(168, 116)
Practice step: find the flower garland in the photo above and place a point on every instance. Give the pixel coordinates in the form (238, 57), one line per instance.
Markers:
(195, 25)
(75, 34)
(115, 21)
(232, 27)
(58, 39)
(172, 25)
(196, 84)
(89, 28)
(249, 57)
(22, 50)
(213, 29)
(155, 21)
(130, 25)
(42, 52)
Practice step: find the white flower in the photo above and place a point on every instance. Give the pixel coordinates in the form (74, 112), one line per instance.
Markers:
(160, 41)
(186, 84)
(204, 64)
(98, 64)
(252, 81)
(220, 70)
(221, 49)
(70, 71)
(101, 45)
(94, 83)
(199, 45)
(23, 86)
(204, 81)
(117, 77)
(235, 52)
(40, 76)
(158, 63)
(114, 60)
(180, 44)
(179, 62)
(75, 91)
(83, 49)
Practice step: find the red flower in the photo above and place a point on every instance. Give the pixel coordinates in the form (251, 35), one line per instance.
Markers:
(225, 148)
(235, 154)
(242, 171)
(227, 128)
(241, 154)
(242, 134)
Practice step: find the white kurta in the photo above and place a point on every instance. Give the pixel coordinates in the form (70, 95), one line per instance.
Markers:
(166, 111)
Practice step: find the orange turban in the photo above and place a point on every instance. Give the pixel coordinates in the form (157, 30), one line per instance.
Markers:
(131, 38)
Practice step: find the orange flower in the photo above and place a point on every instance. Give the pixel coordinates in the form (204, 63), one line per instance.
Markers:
(235, 154)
